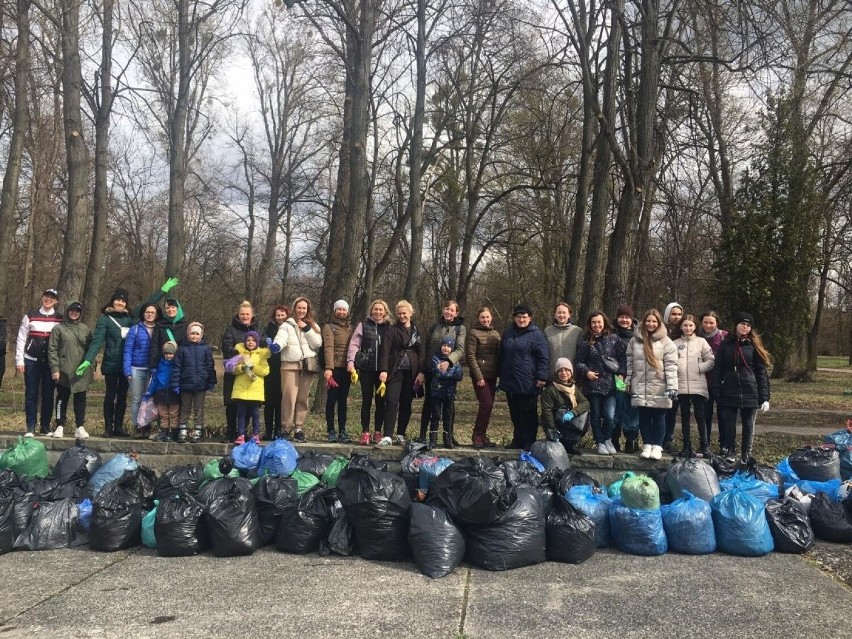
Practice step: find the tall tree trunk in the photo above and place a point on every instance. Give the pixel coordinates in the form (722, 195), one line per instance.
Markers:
(572, 288)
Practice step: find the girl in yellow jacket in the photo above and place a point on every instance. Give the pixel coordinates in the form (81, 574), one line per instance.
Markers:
(250, 366)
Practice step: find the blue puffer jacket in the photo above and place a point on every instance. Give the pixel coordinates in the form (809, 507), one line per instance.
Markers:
(590, 358)
(444, 382)
(523, 360)
(193, 368)
(162, 377)
(136, 348)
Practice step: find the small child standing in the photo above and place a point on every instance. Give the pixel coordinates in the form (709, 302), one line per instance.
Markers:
(192, 376)
(445, 378)
(563, 407)
(166, 400)
(250, 365)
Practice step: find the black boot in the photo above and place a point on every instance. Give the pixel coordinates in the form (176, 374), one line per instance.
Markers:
(181, 433)
(631, 446)
(433, 438)
(449, 442)
(616, 438)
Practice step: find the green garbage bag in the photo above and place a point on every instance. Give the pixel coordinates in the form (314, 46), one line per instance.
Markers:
(614, 489)
(332, 473)
(304, 481)
(212, 470)
(640, 492)
(149, 539)
(28, 458)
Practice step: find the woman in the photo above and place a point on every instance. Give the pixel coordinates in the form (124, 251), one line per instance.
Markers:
(741, 385)
(242, 322)
(714, 335)
(562, 336)
(599, 357)
(363, 356)
(694, 360)
(626, 415)
(136, 362)
(482, 349)
(523, 371)
(272, 382)
(299, 338)
(562, 407)
(67, 344)
(335, 338)
(401, 362)
(652, 375)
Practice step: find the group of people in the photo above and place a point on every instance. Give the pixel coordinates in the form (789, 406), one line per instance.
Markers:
(626, 379)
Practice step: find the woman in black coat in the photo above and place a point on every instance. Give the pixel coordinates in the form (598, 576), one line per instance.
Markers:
(272, 382)
(242, 322)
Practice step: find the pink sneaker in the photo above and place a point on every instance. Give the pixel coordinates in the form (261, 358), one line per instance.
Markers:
(240, 440)
(255, 439)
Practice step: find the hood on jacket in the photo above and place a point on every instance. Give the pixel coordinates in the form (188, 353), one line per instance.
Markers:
(74, 304)
(178, 316)
(668, 311)
(657, 335)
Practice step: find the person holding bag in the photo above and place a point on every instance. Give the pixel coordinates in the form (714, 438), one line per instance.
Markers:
(563, 407)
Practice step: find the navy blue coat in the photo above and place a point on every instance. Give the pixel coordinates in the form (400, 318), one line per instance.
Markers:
(590, 358)
(523, 360)
(193, 368)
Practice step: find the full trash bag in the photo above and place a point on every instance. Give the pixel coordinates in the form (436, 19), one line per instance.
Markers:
(754, 487)
(724, 468)
(830, 487)
(332, 474)
(24, 503)
(7, 519)
(376, 504)
(148, 480)
(409, 467)
(766, 474)
(304, 481)
(179, 527)
(614, 489)
(357, 460)
(688, 523)
(517, 539)
(9, 479)
(636, 531)
(695, 476)
(213, 469)
(53, 525)
(740, 523)
(437, 544)
(77, 462)
(149, 535)
(528, 457)
(815, 463)
(551, 454)
(341, 537)
(110, 471)
(473, 491)
(570, 534)
(305, 523)
(830, 521)
(247, 457)
(842, 441)
(278, 458)
(314, 463)
(578, 478)
(596, 507)
(44, 488)
(272, 494)
(84, 508)
(661, 478)
(185, 479)
(640, 492)
(233, 529)
(430, 468)
(27, 458)
(790, 527)
(117, 514)
(520, 471)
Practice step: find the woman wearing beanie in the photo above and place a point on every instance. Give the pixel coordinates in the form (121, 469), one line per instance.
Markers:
(362, 359)
(242, 322)
(694, 359)
(714, 335)
(482, 348)
(272, 382)
(741, 385)
(652, 375)
(335, 339)
(626, 414)
(563, 407)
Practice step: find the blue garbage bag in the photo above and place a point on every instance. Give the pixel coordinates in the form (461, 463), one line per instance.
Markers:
(149, 537)
(637, 532)
(842, 441)
(278, 458)
(787, 473)
(85, 510)
(525, 456)
(764, 491)
(830, 487)
(430, 469)
(596, 507)
(688, 523)
(110, 471)
(247, 456)
(740, 523)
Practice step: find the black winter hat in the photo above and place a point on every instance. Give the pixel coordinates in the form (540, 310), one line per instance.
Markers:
(744, 317)
(75, 306)
(120, 294)
(522, 309)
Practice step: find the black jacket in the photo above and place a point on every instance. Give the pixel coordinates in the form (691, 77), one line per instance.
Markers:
(399, 340)
(235, 333)
(193, 368)
(740, 378)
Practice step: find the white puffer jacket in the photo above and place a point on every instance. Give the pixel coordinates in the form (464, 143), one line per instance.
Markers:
(648, 385)
(297, 344)
(694, 358)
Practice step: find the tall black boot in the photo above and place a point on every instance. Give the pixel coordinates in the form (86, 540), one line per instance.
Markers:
(704, 438)
(433, 438)
(616, 438)
(449, 442)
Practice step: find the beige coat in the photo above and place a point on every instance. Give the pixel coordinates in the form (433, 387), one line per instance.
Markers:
(694, 359)
(648, 385)
(297, 344)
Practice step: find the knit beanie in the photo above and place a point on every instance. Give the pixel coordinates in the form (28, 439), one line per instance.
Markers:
(563, 362)
(170, 347)
(120, 294)
(744, 317)
(624, 310)
(449, 341)
(254, 336)
(341, 304)
(195, 326)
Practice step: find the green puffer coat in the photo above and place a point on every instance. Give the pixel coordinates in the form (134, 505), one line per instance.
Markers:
(65, 351)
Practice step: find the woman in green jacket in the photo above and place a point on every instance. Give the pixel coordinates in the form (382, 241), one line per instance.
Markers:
(564, 408)
(65, 350)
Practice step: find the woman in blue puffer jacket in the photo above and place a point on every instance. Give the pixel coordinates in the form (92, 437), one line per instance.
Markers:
(135, 362)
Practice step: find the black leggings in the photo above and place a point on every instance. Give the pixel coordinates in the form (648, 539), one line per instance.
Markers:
(399, 393)
(336, 398)
(369, 383)
(696, 404)
(115, 402)
(63, 393)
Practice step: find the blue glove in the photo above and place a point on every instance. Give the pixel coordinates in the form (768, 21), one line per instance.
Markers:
(176, 390)
(146, 396)
(567, 417)
(671, 394)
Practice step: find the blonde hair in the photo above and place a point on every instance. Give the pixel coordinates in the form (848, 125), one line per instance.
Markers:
(647, 344)
(407, 304)
(245, 304)
(383, 304)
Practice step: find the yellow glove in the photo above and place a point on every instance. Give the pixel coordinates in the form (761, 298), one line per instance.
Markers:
(354, 375)
(381, 390)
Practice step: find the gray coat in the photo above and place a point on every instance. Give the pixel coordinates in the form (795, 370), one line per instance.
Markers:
(694, 359)
(647, 384)
(562, 341)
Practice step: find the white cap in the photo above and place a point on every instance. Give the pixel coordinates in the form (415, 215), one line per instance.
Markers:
(341, 304)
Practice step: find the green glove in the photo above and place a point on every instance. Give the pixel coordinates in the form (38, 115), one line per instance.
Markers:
(169, 285)
(82, 368)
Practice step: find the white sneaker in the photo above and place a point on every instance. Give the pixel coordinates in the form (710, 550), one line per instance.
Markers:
(603, 450)
(59, 431)
(399, 440)
(656, 452)
(80, 433)
(29, 434)
(646, 451)
(384, 441)
(610, 448)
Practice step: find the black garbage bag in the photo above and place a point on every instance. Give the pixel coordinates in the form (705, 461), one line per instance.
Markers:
(359, 460)
(53, 525)
(437, 544)
(415, 453)
(376, 504)
(578, 478)
(43, 488)
(231, 518)
(179, 527)
(77, 462)
(570, 534)
(306, 522)
(551, 453)
(341, 537)
(816, 463)
(314, 463)
(724, 469)
(520, 471)
(117, 514)
(179, 479)
(694, 476)
(9, 478)
(22, 509)
(765, 473)
(830, 520)
(473, 491)
(660, 477)
(517, 539)
(7, 518)
(271, 495)
(548, 489)
(790, 527)
(148, 480)
(76, 489)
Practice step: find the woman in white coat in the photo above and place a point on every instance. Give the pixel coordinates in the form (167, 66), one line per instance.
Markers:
(652, 376)
(300, 339)
(694, 359)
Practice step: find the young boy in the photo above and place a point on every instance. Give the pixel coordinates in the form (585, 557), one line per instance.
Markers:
(192, 376)
(250, 365)
(563, 405)
(443, 393)
(166, 400)
(66, 348)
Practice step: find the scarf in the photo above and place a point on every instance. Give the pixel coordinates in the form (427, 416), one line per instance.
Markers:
(570, 390)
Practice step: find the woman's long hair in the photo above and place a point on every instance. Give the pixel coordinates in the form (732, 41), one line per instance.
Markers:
(757, 342)
(607, 327)
(309, 316)
(647, 342)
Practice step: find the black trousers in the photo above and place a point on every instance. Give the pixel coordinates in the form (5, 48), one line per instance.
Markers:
(336, 399)
(63, 394)
(442, 411)
(399, 394)
(523, 410)
(115, 402)
(369, 381)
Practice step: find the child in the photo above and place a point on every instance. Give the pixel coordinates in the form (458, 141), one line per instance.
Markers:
(694, 359)
(443, 393)
(192, 376)
(166, 400)
(250, 365)
(561, 405)
(66, 348)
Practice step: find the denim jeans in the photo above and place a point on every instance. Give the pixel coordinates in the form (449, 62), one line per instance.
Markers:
(627, 415)
(652, 423)
(38, 383)
(139, 378)
(602, 415)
